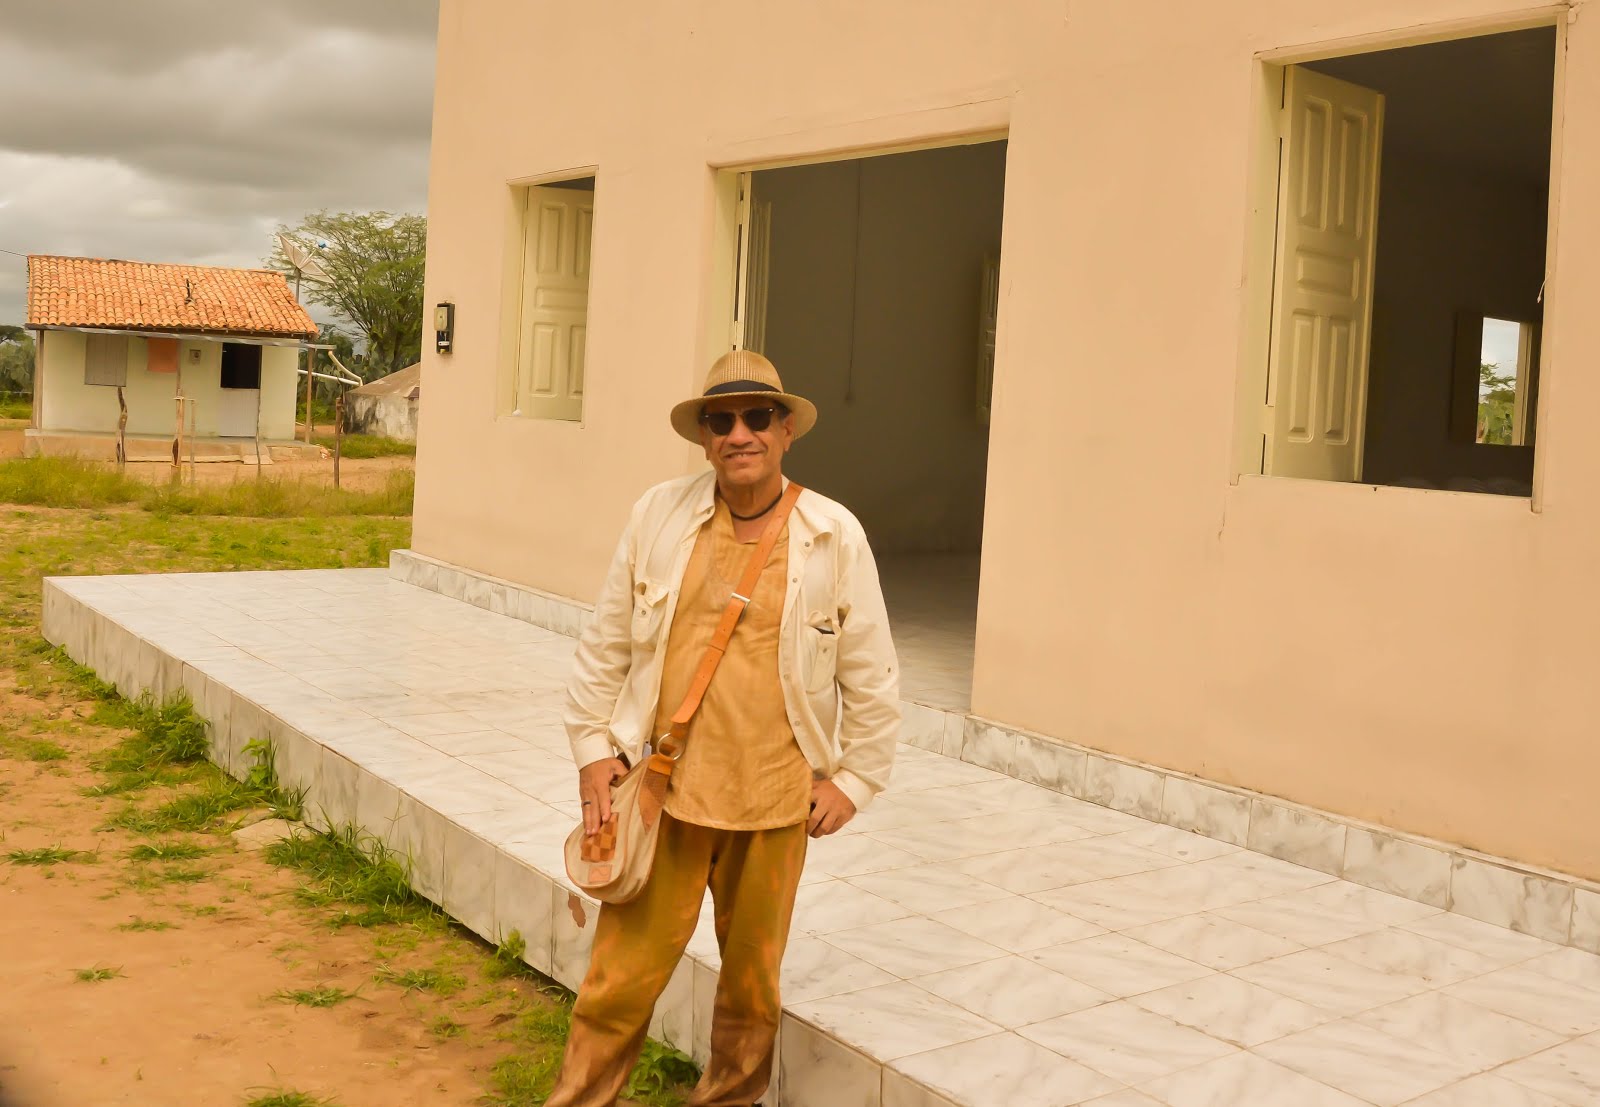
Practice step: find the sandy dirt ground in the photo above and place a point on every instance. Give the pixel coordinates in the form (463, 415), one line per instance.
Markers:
(190, 1018)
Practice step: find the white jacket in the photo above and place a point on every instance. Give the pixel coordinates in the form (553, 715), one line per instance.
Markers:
(836, 661)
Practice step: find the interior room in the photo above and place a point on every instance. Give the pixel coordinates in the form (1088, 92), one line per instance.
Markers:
(1457, 290)
(872, 284)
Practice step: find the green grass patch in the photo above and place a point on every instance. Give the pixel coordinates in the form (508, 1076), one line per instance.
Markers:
(98, 973)
(662, 1077)
(284, 1097)
(46, 855)
(359, 881)
(201, 809)
(33, 749)
(15, 409)
(136, 924)
(181, 874)
(66, 482)
(167, 851)
(73, 482)
(369, 445)
(508, 959)
(445, 1028)
(283, 499)
(321, 996)
(434, 981)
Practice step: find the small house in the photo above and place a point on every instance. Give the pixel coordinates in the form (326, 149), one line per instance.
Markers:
(387, 406)
(220, 344)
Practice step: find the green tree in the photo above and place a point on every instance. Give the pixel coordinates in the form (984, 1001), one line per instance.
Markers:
(16, 360)
(1497, 405)
(374, 263)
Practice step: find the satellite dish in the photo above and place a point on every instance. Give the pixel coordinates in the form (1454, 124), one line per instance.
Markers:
(301, 258)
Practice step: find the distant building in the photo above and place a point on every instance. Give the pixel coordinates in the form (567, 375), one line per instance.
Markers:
(387, 406)
(227, 339)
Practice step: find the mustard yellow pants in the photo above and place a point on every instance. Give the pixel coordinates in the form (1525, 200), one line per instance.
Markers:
(753, 875)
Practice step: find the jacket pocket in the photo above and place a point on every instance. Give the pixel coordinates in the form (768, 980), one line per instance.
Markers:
(649, 606)
(821, 646)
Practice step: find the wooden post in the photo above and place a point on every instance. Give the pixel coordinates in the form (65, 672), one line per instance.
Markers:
(177, 443)
(258, 434)
(193, 434)
(338, 433)
(122, 431)
(311, 365)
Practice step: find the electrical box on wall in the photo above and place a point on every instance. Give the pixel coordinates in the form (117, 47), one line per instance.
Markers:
(444, 325)
(194, 355)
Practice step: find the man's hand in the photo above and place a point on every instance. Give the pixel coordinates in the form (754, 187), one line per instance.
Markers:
(830, 809)
(594, 791)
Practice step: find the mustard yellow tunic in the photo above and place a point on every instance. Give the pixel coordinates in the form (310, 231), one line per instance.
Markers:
(741, 768)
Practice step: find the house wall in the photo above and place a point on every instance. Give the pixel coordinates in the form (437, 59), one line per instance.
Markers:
(873, 316)
(1448, 241)
(71, 405)
(1323, 642)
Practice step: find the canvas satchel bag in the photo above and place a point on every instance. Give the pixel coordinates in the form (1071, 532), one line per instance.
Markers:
(613, 865)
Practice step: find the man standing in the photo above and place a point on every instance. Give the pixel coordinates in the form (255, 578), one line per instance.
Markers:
(794, 736)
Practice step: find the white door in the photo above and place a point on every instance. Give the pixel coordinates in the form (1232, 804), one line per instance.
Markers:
(236, 412)
(1315, 415)
(239, 401)
(557, 228)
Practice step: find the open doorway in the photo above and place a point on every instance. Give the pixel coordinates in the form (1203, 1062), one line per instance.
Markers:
(239, 402)
(1407, 306)
(872, 284)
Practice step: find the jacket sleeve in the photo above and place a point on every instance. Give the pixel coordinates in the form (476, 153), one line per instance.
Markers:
(605, 652)
(868, 675)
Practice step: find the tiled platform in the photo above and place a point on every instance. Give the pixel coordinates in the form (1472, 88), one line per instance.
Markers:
(971, 939)
(933, 605)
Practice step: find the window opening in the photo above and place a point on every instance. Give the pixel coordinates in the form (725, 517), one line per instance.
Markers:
(1408, 260)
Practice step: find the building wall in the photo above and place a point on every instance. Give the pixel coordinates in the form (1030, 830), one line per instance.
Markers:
(873, 316)
(71, 405)
(391, 416)
(1322, 642)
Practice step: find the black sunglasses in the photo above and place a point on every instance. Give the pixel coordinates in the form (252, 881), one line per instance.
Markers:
(757, 419)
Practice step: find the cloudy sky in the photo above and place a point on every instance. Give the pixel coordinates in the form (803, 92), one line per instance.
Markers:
(187, 130)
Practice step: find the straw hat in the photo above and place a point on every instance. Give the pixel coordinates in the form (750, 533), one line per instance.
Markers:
(743, 373)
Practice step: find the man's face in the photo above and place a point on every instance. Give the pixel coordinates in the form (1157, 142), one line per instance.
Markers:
(742, 456)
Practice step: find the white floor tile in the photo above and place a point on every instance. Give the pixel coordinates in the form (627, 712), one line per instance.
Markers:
(1367, 1063)
(1246, 1080)
(1233, 1010)
(1012, 991)
(1126, 1042)
(1118, 965)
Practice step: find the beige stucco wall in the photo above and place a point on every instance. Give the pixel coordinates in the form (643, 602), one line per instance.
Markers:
(1321, 642)
(70, 405)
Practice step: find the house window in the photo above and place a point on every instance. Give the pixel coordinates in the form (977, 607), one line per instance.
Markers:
(556, 228)
(1407, 266)
(105, 360)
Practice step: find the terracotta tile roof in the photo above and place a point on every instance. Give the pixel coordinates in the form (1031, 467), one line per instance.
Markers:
(145, 296)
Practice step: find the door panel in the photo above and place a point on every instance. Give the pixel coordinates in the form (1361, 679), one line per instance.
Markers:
(558, 229)
(1317, 378)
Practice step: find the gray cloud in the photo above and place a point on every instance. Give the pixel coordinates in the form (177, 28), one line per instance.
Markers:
(181, 130)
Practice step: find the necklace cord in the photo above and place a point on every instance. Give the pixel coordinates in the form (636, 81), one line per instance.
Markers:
(757, 515)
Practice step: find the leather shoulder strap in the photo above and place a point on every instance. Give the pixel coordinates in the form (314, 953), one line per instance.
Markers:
(672, 744)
